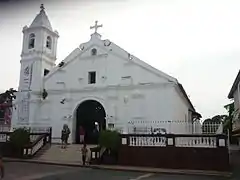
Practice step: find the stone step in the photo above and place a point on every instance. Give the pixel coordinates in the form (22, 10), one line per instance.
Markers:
(55, 153)
(42, 151)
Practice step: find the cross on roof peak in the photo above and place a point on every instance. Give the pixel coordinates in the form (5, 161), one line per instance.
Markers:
(42, 7)
(96, 26)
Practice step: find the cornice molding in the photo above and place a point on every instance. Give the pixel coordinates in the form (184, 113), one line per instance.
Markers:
(39, 54)
(107, 88)
(40, 28)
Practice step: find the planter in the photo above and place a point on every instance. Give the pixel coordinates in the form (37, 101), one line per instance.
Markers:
(95, 159)
(109, 158)
(8, 150)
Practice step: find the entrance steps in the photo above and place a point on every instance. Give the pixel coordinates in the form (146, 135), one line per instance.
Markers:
(54, 153)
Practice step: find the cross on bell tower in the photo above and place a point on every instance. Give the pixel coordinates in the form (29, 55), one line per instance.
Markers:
(96, 26)
(42, 7)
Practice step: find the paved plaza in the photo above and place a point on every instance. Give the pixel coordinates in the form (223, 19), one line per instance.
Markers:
(32, 171)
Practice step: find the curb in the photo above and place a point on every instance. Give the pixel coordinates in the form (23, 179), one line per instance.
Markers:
(130, 169)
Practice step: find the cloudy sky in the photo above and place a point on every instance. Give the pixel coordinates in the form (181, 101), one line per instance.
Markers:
(196, 41)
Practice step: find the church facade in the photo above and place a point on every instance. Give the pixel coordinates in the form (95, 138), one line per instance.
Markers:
(98, 79)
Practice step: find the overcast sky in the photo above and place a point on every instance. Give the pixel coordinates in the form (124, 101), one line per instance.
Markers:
(196, 41)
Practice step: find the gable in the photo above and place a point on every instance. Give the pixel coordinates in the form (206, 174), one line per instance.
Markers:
(113, 66)
(118, 51)
(185, 97)
(111, 70)
(113, 50)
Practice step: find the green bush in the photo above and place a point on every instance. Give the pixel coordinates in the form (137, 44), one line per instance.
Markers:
(111, 140)
(20, 138)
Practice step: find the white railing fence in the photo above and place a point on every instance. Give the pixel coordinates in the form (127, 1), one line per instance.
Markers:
(196, 141)
(6, 137)
(173, 127)
(35, 129)
(147, 141)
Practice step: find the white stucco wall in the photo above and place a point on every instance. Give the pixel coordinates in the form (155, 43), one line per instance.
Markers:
(110, 70)
(181, 112)
(236, 99)
(129, 90)
(124, 104)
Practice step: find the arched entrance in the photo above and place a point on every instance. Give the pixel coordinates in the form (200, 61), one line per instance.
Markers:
(90, 115)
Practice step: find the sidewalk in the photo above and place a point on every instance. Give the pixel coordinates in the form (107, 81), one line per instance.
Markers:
(235, 161)
(125, 168)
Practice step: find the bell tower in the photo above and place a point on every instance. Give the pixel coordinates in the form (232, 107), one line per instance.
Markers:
(38, 52)
(37, 59)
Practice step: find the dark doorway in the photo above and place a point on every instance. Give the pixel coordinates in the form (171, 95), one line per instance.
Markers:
(90, 116)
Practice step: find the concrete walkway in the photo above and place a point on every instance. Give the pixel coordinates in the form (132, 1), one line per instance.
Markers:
(72, 154)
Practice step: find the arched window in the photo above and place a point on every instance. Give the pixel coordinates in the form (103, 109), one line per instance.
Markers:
(94, 52)
(31, 41)
(49, 42)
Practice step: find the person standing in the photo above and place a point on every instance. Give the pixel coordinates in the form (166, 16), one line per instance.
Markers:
(82, 135)
(64, 136)
(84, 153)
(68, 132)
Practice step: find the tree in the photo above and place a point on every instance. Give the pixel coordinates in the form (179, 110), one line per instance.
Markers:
(6, 100)
(7, 97)
(110, 140)
(229, 119)
(20, 138)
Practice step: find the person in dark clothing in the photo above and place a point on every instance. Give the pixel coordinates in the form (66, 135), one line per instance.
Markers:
(65, 135)
(68, 132)
(63, 138)
(84, 153)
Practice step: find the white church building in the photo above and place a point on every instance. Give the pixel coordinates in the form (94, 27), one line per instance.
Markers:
(128, 93)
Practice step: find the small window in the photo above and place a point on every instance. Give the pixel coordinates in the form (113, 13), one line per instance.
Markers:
(31, 42)
(91, 77)
(46, 71)
(49, 42)
(94, 52)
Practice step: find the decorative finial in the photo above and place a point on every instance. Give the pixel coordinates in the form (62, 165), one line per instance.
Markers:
(96, 26)
(42, 7)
